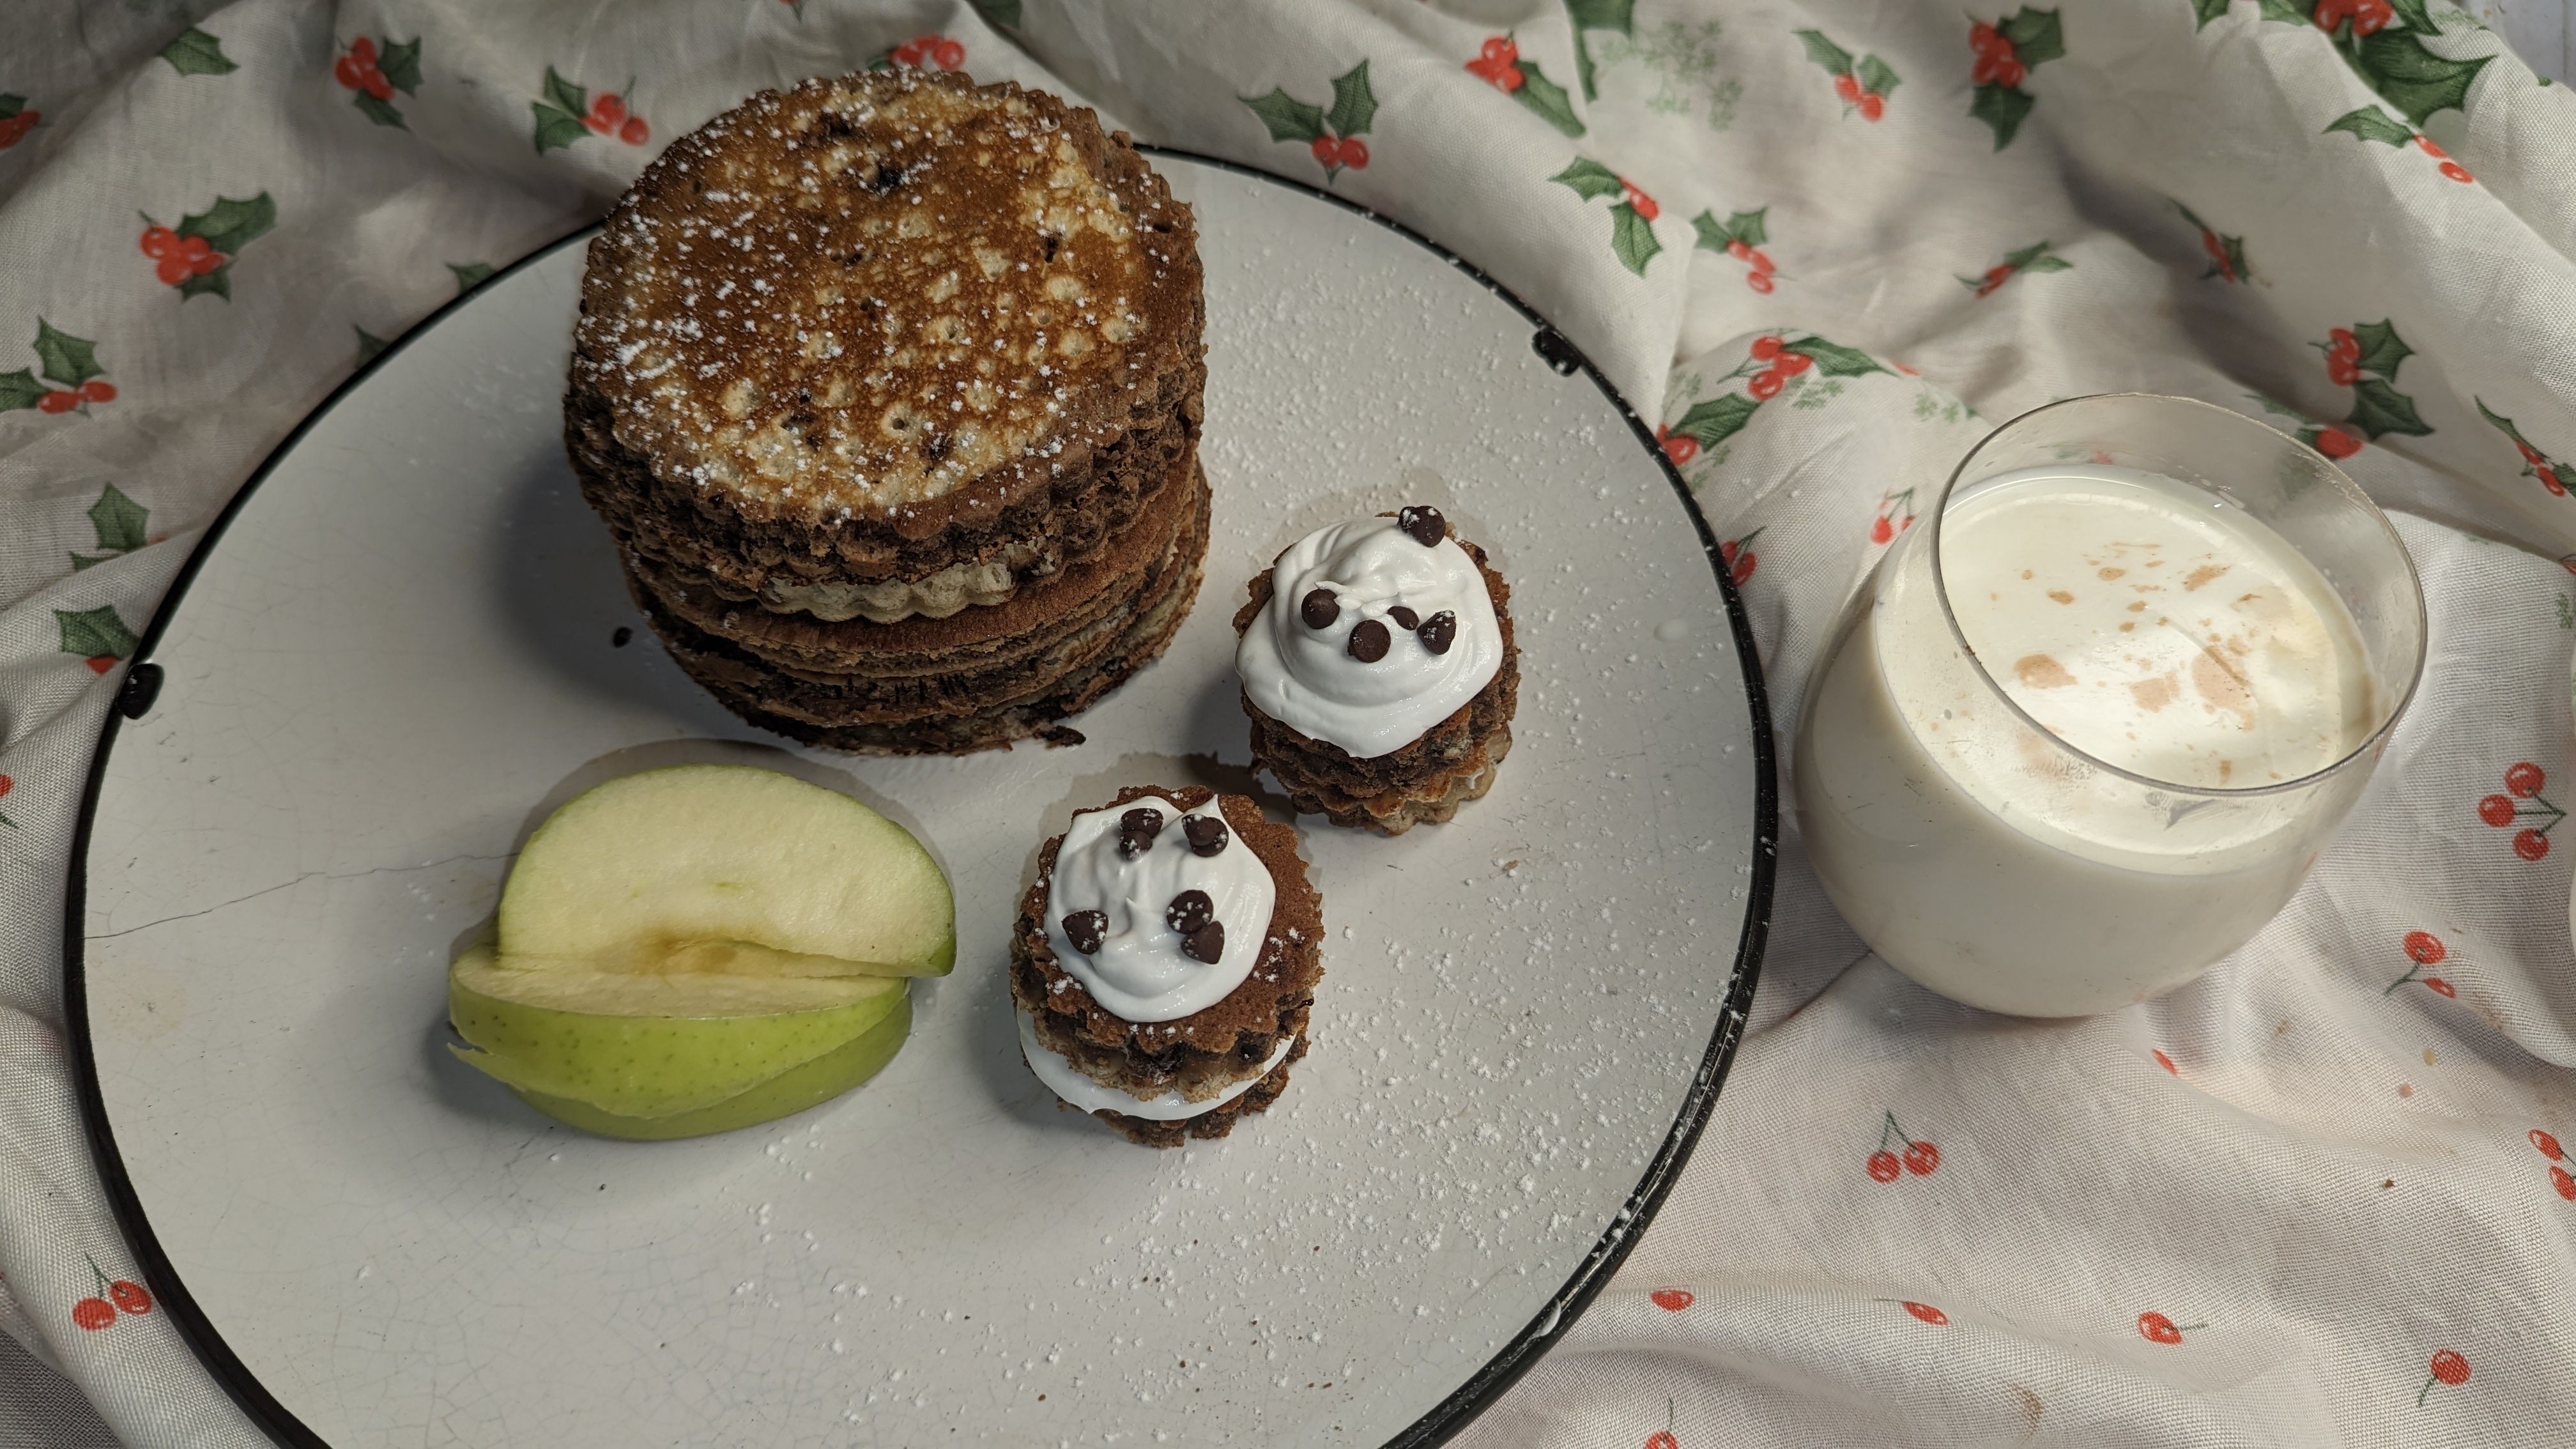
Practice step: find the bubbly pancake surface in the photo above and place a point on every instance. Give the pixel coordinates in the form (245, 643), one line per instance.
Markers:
(860, 296)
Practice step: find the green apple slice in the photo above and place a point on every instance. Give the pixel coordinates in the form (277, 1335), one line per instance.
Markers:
(714, 857)
(793, 1090)
(638, 1045)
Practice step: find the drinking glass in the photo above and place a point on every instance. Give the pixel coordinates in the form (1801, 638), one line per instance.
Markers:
(1996, 863)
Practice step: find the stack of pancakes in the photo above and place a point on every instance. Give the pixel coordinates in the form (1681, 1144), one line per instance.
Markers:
(889, 388)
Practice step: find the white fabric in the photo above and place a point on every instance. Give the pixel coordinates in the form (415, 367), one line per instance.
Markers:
(2331, 1198)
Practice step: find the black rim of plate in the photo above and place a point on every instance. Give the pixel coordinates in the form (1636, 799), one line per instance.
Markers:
(1446, 1418)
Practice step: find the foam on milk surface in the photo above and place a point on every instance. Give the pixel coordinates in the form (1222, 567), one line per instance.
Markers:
(2153, 626)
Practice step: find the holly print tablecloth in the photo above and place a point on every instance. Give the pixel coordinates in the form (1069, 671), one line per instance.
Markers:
(2319, 1197)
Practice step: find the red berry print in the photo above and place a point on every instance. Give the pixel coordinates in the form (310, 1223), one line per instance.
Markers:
(363, 51)
(14, 128)
(2448, 1368)
(1645, 204)
(1355, 153)
(57, 402)
(93, 1314)
(7, 785)
(1498, 62)
(100, 663)
(2166, 1062)
(1740, 559)
(1895, 515)
(607, 109)
(1921, 1158)
(2156, 1328)
(98, 390)
(634, 132)
(1765, 348)
(2423, 949)
(1871, 105)
(1663, 1438)
(2454, 171)
(1928, 1313)
(350, 72)
(2523, 802)
(1765, 384)
(1790, 364)
(2554, 477)
(1758, 281)
(1326, 150)
(2565, 1184)
(2541, 1141)
(947, 54)
(2336, 443)
(1672, 1300)
(1680, 447)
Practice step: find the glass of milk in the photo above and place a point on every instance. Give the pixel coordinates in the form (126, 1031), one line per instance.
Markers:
(2086, 726)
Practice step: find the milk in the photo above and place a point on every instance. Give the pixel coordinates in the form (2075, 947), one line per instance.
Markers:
(1971, 831)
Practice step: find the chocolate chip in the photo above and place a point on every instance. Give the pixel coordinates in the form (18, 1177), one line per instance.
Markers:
(1084, 929)
(1189, 911)
(1319, 609)
(1404, 618)
(1424, 523)
(1439, 632)
(1207, 834)
(1369, 641)
(1136, 831)
(1207, 943)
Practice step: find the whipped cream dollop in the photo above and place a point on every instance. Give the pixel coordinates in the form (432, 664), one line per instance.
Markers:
(1061, 1079)
(1129, 909)
(1371, 636)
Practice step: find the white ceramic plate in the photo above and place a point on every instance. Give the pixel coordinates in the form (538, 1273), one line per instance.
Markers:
(396, 656)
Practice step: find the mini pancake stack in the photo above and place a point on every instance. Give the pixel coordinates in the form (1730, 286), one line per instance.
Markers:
(1189, 1057)
(888, 387)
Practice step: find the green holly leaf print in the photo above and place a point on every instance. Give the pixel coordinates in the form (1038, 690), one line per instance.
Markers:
(229, 225)
(559, 115)
(11, 105)
(219, 282)
(1589, 178)
(1747, 227)
(2381, 348)
(2379, 408)
(2502, 424)
(999, 12)
(1825, 53)
(2414, 80)
(2001, 107)
(2417, 15)
(470, 275)
(2205, 11)
(1288, 118)
(1632, 237)
(369, 344)
(2035, 36)
(1618, 15)
(1833, 359)
(2036, 258)
(563, 95)
(2371, 123)
(118, 521)
(556, 129)
(67, 360)
(197, 53)
(1353, 104)
(1547, 98)
(2285, 12)
(380, 112)
(400, 64)
(94, 633)
(19, 390)
(1876, 78)
(1718, 419)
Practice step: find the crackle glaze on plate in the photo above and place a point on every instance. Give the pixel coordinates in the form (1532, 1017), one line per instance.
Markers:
(399, 653)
